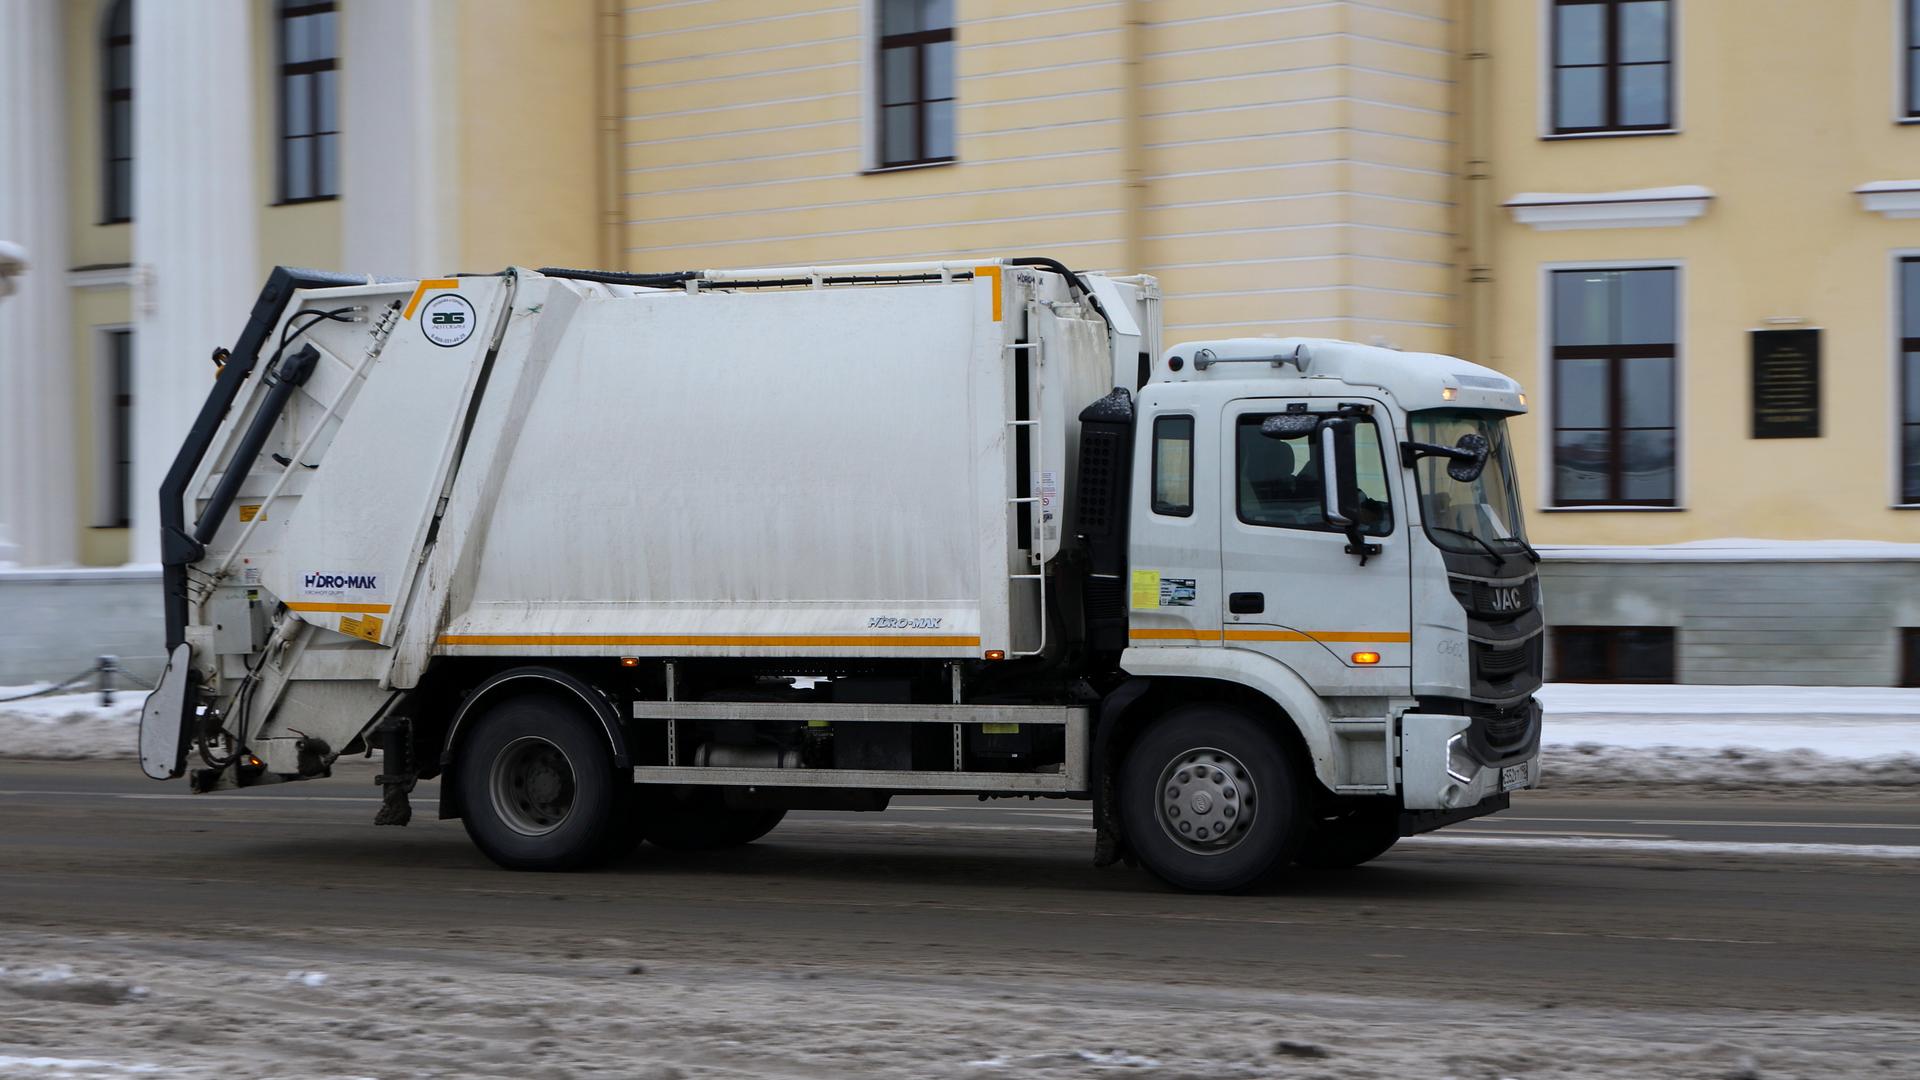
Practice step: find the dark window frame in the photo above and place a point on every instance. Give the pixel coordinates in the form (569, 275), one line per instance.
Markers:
(1612, 64)
(1153, 477)
(1615, 355)
(1910, 63)
(1383, 527)
(321, 188)
(1908, 342)
(918, 41)
(1909, 656)
(118, 374)
(1610, 638)
(116, 201)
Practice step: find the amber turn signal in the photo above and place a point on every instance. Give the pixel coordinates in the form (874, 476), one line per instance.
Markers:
(1366, 658)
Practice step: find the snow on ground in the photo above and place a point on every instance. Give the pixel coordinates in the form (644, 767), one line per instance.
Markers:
(1731, 736)
(1716, 736)
(69, 725)
(646, 1010)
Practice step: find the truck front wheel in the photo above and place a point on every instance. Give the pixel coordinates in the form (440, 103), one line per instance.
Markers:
(1209, 799)
(541, 789)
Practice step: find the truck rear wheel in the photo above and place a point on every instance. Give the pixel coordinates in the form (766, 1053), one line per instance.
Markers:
(703, 822)
(541, 792)
(1349, 838)
(1209, 799)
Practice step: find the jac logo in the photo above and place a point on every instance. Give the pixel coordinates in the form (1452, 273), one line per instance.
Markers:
(326, 582)
(1508, 599)
(447, 320)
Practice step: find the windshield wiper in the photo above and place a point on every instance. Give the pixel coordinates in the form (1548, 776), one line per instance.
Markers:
(1532, 555)
(1498, 559)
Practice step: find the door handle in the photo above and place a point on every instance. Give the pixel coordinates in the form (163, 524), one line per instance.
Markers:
(1246, 603)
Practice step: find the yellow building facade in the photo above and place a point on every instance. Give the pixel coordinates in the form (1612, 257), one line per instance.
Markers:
(1607, 199)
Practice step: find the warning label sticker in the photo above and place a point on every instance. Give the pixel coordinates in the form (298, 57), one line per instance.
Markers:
(1150, 590)
(361, 626)
(1146, 589)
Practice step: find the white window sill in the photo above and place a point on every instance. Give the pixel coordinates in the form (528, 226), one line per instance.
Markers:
(878, 169)
(1610, 509)
(1563, 136)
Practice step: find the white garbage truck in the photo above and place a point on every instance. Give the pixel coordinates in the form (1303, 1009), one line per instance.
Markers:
(624, 557)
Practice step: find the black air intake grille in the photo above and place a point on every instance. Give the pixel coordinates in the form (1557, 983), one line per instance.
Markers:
(1099, 463)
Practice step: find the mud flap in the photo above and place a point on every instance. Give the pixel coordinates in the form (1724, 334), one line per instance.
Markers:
(163, 720)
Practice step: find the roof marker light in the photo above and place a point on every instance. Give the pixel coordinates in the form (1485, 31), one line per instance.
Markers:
(1447, 393)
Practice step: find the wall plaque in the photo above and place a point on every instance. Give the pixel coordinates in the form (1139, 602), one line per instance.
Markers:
(1786, 384)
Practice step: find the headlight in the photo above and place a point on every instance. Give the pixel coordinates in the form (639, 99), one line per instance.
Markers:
(1460, 765)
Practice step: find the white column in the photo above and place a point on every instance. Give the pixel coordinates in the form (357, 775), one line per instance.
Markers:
(38, 508)
(399, 191)
(196, 214)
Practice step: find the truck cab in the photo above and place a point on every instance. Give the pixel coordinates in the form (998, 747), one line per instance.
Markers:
(1339, 526)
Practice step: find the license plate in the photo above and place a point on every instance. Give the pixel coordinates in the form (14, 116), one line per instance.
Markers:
(1514, 777)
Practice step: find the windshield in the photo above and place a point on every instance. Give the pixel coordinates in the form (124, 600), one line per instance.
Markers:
(1486, 510)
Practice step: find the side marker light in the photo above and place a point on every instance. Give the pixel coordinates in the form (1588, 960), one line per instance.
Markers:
(996, 654)
(1366, 658)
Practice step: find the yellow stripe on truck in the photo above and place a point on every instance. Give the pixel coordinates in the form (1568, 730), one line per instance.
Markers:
(349, 609)
(992, 274)
(1383, 637)
(793, 640)
(421, 290)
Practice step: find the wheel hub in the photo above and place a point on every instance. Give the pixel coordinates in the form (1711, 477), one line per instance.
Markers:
(532, 786)
(1206, 801)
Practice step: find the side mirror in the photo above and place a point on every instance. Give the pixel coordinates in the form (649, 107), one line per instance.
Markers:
(1289, 425)
(1340, 484)
(1467, 459)
(1468, 469)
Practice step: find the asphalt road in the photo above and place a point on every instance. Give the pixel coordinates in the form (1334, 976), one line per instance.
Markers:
(1652, 902)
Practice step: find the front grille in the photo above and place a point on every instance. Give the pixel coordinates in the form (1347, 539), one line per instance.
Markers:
(1503, 727)
(1498, 663)
(1497, 601)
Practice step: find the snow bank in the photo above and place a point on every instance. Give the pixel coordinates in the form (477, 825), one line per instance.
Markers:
(1731, 736)
(70, 725)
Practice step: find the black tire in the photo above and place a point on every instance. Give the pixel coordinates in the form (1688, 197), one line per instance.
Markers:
(1252, 795)
(701, 821)
(539, 787)
(1349, 838)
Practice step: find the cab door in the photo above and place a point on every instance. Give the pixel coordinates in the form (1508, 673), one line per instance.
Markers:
(1290, 586)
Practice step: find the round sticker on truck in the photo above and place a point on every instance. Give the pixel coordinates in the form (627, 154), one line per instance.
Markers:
(447, 320)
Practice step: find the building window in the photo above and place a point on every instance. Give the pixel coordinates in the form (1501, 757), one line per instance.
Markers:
(1910, 380)
(915, 82)
(1910, 60)
(1614, 387)
(115, 452)
(1631, 654)
(309, 93)
(1910, 656)
(1612, 66)
(116, 135)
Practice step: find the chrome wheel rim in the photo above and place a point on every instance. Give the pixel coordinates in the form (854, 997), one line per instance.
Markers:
(1206, 801)
(533, 786)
